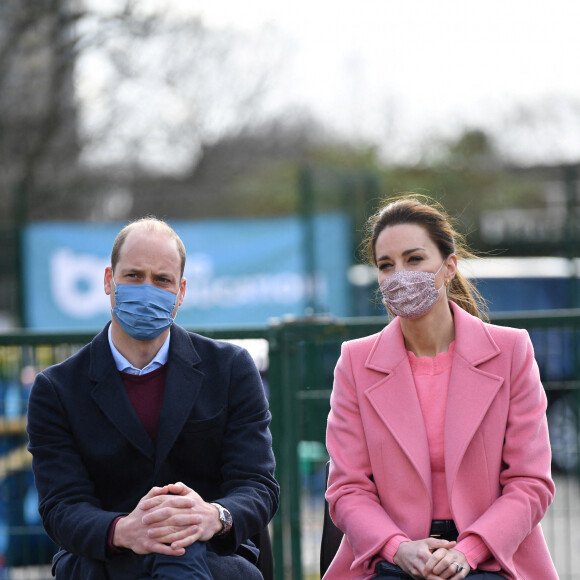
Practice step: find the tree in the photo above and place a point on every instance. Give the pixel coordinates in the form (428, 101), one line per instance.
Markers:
(94, 94)
(38, 138)
(160, 88)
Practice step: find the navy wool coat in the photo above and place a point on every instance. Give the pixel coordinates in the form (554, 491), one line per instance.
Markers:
(93, 460)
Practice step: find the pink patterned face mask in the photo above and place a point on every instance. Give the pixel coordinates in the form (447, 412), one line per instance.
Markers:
(410, 294)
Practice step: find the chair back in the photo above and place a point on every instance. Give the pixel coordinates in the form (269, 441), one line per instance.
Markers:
(266, 558)
(331, 536)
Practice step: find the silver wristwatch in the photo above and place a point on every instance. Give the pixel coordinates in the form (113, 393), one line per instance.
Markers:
(225, 519)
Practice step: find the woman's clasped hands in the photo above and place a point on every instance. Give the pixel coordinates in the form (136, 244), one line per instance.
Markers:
(432, 559)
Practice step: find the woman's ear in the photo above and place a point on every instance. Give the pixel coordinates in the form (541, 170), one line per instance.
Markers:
(450, 268)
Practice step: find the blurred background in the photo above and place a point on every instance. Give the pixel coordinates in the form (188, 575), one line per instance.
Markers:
(266, 133)
(201, 112)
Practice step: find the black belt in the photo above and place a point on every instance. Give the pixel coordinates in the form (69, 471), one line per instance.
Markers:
(444, 529)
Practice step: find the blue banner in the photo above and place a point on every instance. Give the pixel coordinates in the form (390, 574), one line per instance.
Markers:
(237, 271)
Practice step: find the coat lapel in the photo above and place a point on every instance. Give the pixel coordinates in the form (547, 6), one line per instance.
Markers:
(182, 386)
(471, 390)
(395, 399)
(109, 394)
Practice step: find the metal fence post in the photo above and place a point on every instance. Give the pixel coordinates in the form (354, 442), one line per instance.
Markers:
(283, 379)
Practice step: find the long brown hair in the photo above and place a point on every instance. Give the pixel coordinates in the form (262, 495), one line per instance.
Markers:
(413, 208)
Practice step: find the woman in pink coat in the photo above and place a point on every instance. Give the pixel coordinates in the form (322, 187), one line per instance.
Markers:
(440, 457)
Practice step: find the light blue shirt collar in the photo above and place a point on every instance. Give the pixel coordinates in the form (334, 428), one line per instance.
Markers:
(125, 366)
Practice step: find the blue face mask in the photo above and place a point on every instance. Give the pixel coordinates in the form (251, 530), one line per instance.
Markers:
(142, 310)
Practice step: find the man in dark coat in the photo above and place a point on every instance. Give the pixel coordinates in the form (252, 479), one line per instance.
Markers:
(151, 448)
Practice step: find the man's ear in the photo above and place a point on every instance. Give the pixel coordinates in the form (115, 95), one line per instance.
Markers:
(108, 282)
(181, 293)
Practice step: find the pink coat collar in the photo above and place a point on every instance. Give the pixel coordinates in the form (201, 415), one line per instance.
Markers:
(473, 342)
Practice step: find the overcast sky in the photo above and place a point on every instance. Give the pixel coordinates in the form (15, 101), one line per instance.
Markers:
(417, 67)
(398, 73)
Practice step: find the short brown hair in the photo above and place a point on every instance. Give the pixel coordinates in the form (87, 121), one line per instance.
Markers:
(151, 224)
(413, 208)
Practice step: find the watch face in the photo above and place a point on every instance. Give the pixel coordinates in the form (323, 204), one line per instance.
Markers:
(226, 517)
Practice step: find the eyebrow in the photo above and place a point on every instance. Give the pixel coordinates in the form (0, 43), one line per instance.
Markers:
(405, 253)
(137, 270)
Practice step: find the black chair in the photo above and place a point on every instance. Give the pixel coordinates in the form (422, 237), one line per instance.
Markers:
(266, 558)
(331, 536)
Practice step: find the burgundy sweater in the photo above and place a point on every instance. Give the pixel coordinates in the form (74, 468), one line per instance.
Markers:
(146, 394)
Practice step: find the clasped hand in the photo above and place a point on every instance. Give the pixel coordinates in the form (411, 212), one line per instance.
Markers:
(432, 559)
(166, 521)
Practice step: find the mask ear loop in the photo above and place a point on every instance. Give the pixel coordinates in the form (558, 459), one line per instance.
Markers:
(176, 306)
(445, 282)
(114, 290)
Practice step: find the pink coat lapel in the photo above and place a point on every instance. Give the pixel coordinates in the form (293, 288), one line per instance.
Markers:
(395, 399)
(471, 390)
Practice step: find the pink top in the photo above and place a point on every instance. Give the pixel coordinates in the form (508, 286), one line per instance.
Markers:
(431, 376)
